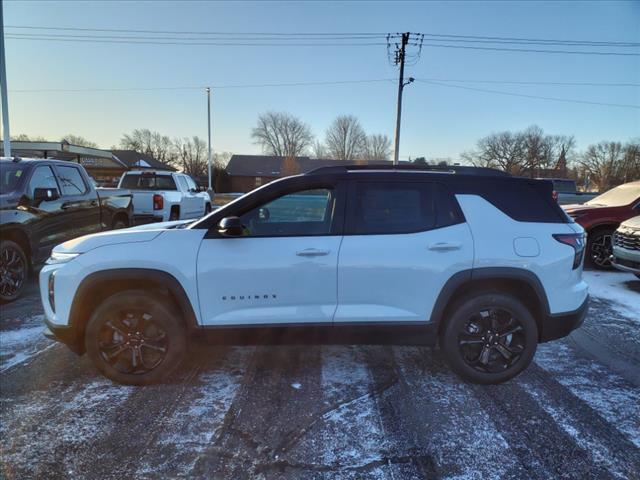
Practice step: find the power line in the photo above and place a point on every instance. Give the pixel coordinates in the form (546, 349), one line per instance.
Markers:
(217, 87)
(227, 43)
(537, 97)
(221, 44)
(376, 34)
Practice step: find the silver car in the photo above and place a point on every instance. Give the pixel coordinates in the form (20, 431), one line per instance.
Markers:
(626, 246)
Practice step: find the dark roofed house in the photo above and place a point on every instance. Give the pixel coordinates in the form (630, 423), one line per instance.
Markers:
(134, 160)
(247, 172)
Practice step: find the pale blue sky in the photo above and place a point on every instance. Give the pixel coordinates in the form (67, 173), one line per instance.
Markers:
(438, 121)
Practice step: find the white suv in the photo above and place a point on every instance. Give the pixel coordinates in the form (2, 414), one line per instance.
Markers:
(483, 264)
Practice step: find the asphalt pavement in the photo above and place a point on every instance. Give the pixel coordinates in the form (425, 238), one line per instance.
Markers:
(325, 411)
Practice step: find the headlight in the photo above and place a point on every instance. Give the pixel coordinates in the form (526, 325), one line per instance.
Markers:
(58, 257)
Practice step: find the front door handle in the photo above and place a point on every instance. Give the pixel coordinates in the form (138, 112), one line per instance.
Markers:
(65, 206)
(312, 252)
(445, 246)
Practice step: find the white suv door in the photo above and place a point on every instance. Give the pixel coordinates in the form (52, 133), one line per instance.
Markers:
(283, 269)
(402, 242)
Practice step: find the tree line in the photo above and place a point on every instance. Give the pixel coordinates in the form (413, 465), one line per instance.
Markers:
(284, 135)
(534, 153)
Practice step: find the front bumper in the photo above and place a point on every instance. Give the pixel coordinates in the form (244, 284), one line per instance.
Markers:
(626, 260)
(562, 324)
(64, 334)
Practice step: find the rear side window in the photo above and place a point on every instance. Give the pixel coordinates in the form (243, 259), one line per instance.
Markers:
(384, 208)
(42, 177)
(71, 181)
(134, 181)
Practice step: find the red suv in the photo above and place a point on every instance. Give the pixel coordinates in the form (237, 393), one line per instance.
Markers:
(601, 217)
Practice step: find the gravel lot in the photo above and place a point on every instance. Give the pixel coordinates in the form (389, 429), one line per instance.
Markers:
(329, 411)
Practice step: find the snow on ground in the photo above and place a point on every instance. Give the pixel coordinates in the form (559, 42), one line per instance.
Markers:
(620, 288)
(17, 346)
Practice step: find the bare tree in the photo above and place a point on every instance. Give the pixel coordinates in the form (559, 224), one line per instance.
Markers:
(79, 140)
(154, 144)
(377, 147)
(282, 134)
(192, 155)
(503, 150)
(602, 163)
(23, 137)
(319, 150)
(345, 138)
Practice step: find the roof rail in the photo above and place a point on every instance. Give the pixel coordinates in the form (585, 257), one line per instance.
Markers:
(459, 169)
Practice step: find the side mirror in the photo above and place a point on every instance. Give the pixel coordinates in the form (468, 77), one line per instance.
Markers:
(230, 227)
(45, 195)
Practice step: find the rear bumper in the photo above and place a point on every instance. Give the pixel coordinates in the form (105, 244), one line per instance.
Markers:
(562, 324)
(64, 334)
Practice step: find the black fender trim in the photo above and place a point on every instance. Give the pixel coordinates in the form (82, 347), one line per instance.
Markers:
(137, 275)
(489, 273)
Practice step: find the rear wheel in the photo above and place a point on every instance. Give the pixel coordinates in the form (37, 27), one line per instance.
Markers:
(135, 338)
(490, 338)
(174, 214)
(207, 209)
(13, 270)
(600, 249)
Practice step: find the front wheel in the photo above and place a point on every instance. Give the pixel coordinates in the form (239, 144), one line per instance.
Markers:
(490, 338)
(135, 338)
(13, 271)
(600, 248)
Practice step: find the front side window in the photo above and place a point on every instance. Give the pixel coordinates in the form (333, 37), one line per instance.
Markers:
(307, 212)
(183, 184)
(71, 181)
(386, 208)
(42, 177)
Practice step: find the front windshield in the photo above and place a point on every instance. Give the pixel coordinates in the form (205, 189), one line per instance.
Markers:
(10, 176)
(619, 196)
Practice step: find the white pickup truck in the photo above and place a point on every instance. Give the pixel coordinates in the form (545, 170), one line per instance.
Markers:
(160, 196)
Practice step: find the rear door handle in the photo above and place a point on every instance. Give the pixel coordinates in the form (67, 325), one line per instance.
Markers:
(445, 246)
(312, 252)
(94, 203)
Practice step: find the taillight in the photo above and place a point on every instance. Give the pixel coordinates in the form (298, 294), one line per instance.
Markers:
(575, 240)
(158, 202)
(554, 195)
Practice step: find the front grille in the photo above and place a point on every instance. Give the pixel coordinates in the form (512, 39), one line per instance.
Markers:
(627, 239)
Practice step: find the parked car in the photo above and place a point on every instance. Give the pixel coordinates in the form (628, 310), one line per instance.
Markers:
(160, 196)
(566, 192)
(626, 247)
(44, 203)
(601, 217)
(485, 265)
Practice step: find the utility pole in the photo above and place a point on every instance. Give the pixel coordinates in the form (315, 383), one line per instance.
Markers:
(399, 59)
(209, 135)
(3, 90)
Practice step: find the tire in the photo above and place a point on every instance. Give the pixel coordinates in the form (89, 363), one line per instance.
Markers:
(207, 209)
(135, 324)
(119, 224)
(14, 271)
(637, 275)
(174, 214)
(476, 341)
(599, 248)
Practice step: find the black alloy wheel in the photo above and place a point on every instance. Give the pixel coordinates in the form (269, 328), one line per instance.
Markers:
(489, 337)
(136, 337)
(13, 270)
(492, 340)
(600, 249)
(132, 342)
